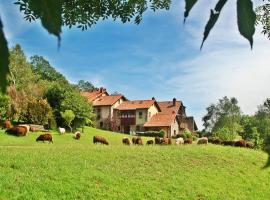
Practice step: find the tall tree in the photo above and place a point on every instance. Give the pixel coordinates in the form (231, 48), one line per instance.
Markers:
(21, 74)
(85, 86)
(226, 113)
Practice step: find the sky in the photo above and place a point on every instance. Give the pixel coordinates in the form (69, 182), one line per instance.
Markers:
(159, 58)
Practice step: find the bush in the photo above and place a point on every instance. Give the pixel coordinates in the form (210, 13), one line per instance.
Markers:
(38, 111)
(225, 134)
(160, 133)
(182, 135)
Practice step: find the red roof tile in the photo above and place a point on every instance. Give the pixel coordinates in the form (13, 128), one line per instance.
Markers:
(91, 96)
(168, 107)
(137, 104)
(107, 100)
(161, 119)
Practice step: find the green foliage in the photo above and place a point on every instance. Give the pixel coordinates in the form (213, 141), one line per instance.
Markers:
(43, 69)
(187, 133)
(85, 86)
(246, 19)
(160, 133)
(38, 111)
(226, 113)
(267, 149)
(262, 119)
(225, 134)
(68, 116)
(263, 18)
(214, 15)
(4, 107)
(21, 74)
(4, 61)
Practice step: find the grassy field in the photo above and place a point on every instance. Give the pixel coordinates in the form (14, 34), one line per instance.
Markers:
(70, 169)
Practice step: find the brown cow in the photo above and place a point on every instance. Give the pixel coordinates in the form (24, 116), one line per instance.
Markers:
(240, 143)
(217, 141)
(203, 140)
(45, 137)
(17, 131)
(100, 139)
(166, 141)
(7, 124)
(188, 141)
(77, 135)
(126, 141)
(158, 140)
(137, 140)
(228, 143)
(150, 142)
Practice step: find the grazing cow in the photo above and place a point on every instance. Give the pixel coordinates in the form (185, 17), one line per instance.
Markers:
(17, 131)
(240, 143)
(26, 126)
(7, 124)
(166, 141)
(179, 141)
(61, 130)
(203, 140)
(100, 139)
(77, 135)
(45, 137)
(250, 145)
(126, 141)
(188, 141)
(137, 140)
(228, 143)
(150, 142)
(217, 141)
(158, 140)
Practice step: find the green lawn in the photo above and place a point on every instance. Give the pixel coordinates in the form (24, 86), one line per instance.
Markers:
(70, 169)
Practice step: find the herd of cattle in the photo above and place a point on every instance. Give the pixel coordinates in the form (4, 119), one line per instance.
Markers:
(22, 130)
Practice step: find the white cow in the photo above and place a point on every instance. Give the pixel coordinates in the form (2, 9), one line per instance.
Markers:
(61, 130)
(179, 141)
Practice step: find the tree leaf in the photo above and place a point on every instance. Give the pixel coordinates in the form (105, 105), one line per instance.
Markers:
(188, 7)
(50, 13)
(214, 15)
(246, 19)
(4, 61)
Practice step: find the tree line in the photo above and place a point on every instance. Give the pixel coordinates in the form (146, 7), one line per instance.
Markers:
(38, 94)
(226, 121)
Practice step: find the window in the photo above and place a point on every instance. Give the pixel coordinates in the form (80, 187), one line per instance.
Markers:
(140, 115)
(101, 124)
(98, 117)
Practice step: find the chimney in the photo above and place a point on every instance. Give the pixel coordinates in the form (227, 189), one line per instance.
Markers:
(102, 89)
(153, 98)
(174, 101)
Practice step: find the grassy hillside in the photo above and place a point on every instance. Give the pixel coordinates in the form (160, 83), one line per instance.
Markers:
(70, 169)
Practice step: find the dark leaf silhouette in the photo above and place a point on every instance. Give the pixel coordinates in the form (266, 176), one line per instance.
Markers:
(246, 19)
(214, 15)
(50, 14)
(267, 150)
(4, 59)
(188, 7)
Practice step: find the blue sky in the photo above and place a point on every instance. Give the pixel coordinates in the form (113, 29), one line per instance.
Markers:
(159, 58)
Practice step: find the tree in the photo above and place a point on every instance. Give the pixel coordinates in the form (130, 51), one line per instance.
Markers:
(38, 111)
(21, 74)
(263, 18)
(225, 114)
(262, 118)
(85, 86)
(43, 69)
(4, 107)
(68, 116)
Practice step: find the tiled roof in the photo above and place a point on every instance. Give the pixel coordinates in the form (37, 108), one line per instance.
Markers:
(106, 100)
(137, 104)
(168, 107)
(161, 119)
(91, 96)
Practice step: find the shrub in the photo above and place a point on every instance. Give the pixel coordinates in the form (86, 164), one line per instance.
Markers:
(187, 133)
(38, 111)
(182, 135)
(160, 133)
(225, 134)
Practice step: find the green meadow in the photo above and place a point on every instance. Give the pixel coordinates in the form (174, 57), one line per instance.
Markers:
(71, 169)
